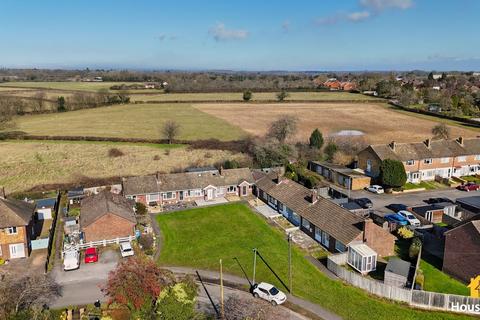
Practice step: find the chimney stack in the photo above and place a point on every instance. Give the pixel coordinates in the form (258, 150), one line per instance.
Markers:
(460, 140)
(392, 145)
(428, 143)
(313, 197)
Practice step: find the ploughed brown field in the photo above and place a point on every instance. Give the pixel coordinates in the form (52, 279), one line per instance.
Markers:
(378, 122)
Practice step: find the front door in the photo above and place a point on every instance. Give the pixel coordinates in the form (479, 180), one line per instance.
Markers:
(244, 190)
(17, 250)
(181, 195)
(209, 194)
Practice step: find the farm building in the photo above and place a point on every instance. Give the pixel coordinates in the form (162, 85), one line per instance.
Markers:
(396, 272)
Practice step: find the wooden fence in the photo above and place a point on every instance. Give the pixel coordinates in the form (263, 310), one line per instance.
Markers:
(417, 298)
(103, 243)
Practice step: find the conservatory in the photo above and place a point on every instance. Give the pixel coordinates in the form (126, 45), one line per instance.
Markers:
(362, 258)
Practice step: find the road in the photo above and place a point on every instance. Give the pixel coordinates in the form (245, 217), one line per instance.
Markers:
(410, 199)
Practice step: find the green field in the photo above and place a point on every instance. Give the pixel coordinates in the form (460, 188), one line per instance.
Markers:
(200, 237)
(437, 281)
(77, 86)
(130, 121)
(257, 96)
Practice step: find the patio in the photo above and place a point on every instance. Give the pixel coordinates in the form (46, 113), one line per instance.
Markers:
(202, 202)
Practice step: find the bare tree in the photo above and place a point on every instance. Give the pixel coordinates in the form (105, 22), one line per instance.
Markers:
(237, 308)
(40, 100)
(7, 111)
(170, 130)
(29, 291)
(283, 128)
(441, 131)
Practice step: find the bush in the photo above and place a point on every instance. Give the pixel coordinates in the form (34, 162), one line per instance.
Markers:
(146, 241)
(231, 164)
(392, 173)
(247, 95)
(316, 139)
(405, 233)
(140, 209)
(415, 248)
(115, 153)
(330, 150)
(156, 157)
(282, 95)
(2, 261)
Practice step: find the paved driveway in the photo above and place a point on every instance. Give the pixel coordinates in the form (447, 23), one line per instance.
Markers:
(82, 286)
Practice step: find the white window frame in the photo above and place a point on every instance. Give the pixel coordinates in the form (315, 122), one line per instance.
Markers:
(462, 158)
(306, 224)
(410, 162)
(232, 189)
(153, 197)
(340, 247)
(11, 230)
(428, 161)
(165, 195)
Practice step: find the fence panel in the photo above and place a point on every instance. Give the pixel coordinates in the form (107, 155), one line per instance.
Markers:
(39, 244)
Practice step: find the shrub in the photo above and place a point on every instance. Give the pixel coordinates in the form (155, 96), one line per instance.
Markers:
(282, 95)
(2, 261)
(167, 152)
(392, 173)
(140, 209)
(146, 241)
(405, 233)
(415, 248)
(316, 139)
(247, 95)
(231, 164)
(115, 153)
(156, 157)
(330, 150)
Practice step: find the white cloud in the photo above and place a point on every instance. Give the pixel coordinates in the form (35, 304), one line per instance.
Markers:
(380, 5)
(358, 16)
(221, 33)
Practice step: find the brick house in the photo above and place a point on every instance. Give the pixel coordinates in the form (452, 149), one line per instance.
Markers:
(462, 251)
(172, 188)
(425, 160)
(107, 216)
(348, 86)
(345, 177)
(333, 84)
(16, 228)
(332, 226)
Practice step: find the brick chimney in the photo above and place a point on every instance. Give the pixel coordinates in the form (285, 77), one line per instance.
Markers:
(313, 196)
(428, 143)
(460, 141)
(393, 145)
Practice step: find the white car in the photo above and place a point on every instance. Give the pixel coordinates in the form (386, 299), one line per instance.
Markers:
(410, 218)
(268, 292)
(375, 189)
(126, 249)
(71, 260)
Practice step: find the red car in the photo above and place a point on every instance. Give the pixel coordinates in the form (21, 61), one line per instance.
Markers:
(470, 186)
(91, 255)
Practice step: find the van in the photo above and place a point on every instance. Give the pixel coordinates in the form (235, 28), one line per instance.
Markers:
(71, 260)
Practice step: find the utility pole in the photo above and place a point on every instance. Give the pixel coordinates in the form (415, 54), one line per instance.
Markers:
(221, 291)
(290, 262)
(254, 263)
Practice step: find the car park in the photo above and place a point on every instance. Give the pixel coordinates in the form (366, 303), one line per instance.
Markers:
(71, 260)
(469, 186)
(375, 189)
(412, 220)
(269, 293)
(365, 203)
(91, 255)
(126, 249)
(437, 200)
(396, 218)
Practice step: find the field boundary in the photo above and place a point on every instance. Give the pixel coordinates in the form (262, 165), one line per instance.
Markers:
(270, 101)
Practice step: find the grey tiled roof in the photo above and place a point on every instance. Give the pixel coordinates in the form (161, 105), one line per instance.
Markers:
(419, 150)
(185, 181)
(95, 206)
(326, 215)
(14, 213)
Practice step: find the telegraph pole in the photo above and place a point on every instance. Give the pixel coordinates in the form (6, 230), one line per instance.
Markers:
(290, 262)
(254, 263)
(222, 312)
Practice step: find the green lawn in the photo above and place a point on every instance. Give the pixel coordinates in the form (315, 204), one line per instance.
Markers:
(132, 120)
(66, 85)
(437, 281)
(471, 179)
(257, 96)
(428, 185)
(200, 237)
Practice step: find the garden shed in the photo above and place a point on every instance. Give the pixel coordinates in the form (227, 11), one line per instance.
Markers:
(362, 258)
(396, 272)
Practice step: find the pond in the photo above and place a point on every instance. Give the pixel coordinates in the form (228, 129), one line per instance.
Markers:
(347, 133)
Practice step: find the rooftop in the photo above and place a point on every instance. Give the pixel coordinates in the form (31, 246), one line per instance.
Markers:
(398, 266)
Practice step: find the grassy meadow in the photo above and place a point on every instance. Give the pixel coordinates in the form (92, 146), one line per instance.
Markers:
(130, 121)
(66, 85)
(198, 238)
(26, 164)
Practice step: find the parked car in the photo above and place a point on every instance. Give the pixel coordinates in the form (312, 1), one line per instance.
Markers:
(71, 260)
(91, 255)
(126, 249)
(410, 218)
(375, 189)
(396, 218)
(364, 203)
(469, 186)
(268, 292)
(437, 200)
(397, 207)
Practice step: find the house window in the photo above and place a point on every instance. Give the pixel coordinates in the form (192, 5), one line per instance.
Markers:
(427, 161)
(445, 160)
(325, 239)
(12, 230)
(306, 224)
(369, 165)
(340, 247)
(462, 159)
(153, 197)
(477, 157)
(168, 195)
(410, 162)
(232, 189)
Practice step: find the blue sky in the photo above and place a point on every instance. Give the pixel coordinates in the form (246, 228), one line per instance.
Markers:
(242, 35)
